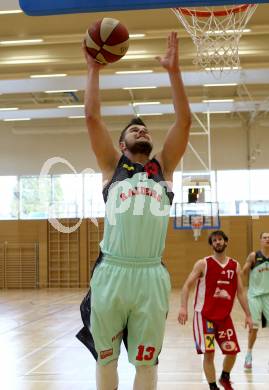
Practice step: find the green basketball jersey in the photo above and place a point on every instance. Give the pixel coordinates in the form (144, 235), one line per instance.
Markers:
(259, 276)
(137, 211)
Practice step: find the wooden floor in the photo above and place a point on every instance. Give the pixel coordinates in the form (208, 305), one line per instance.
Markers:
(39, 351)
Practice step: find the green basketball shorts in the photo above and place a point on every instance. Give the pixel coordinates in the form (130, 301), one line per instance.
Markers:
(259, 305)
(133, 296)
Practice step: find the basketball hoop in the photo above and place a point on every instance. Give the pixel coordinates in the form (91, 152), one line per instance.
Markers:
(196, 224)
(216, 32)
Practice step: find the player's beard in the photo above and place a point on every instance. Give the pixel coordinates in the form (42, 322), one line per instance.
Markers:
(220, 249)
(141, 147)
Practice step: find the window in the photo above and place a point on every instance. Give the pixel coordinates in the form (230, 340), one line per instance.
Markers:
(9, 197)
(239, 192)
(94, 205)
(66, 196)
(35, 194)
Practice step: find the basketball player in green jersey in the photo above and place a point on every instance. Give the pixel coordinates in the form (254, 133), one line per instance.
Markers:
(130, 286)
(256, 270)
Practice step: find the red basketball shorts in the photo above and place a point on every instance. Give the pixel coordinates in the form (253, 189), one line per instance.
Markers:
(206, 332)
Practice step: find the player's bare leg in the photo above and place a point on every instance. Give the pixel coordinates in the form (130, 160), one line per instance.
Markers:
(252, 335)
(107, 376)
(145, 378)
(228, 364)
(209, 369)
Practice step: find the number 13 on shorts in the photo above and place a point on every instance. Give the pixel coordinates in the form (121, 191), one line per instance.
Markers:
(145, 353)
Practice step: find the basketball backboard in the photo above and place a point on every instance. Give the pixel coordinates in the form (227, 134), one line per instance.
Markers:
(186, 213)
(53, 7)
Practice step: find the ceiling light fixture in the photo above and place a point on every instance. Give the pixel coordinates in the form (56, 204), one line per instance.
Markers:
(21, 41)
(218, 100)
(8, 108)
(133, 71)
(220, 85)
(16, 119)
(11, 11)
(144, 103)
(72, 106)
(136, 36)
(151, 114)
(26, 61)
(36, 76)
(216, 112)
(137, 56)
(62, 91)
(132, 52)
(152, 87)
(224, 68)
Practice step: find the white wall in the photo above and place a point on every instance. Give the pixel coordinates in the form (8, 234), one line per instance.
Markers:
(24, 154)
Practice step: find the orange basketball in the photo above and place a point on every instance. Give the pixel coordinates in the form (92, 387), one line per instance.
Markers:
(107, 40)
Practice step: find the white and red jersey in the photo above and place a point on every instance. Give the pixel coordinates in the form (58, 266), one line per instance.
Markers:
(216, 289)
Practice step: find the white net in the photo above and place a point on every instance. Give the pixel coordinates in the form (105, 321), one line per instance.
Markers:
(196, 224)
(216, 32)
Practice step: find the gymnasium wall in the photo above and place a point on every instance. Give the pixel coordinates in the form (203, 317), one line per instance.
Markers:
(182, 251)
(23, 151)
(71, 258)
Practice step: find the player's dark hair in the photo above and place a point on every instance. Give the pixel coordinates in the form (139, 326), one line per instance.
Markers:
(135, 121)
(217, 233)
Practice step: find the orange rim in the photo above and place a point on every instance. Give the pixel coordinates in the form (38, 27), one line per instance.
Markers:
(205, 14)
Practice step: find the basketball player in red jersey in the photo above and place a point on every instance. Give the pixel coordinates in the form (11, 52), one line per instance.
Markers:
(218, 281)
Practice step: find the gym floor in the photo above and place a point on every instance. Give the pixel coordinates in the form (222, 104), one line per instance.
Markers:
(39, 350)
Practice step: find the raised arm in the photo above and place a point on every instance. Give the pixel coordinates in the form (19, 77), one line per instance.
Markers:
(197, 272)
(106, 154)
(177, 137)
(242, 298)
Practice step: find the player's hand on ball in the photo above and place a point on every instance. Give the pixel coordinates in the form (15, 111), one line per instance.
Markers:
(89, 59)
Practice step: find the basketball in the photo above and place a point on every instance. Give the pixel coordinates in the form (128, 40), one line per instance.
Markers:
(107, 40)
